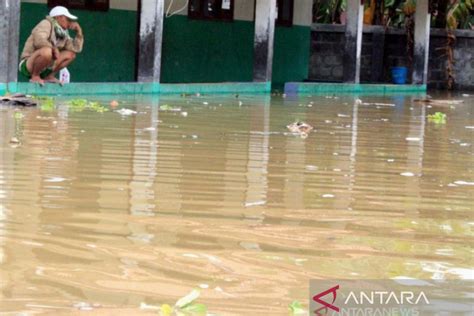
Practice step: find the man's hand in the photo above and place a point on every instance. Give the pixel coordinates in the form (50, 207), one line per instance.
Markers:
(75, 27)
(55, 53)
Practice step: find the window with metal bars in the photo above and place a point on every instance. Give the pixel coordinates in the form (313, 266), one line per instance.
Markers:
(95, 5)
(219, 10)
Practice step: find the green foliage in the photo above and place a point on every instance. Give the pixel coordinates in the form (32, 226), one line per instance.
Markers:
(185, 306)
(79, 105)
(18, 115)
(328, 11)
(437, 118)
(47, 104)
(166, 107)
(460, 15)
(296, 308)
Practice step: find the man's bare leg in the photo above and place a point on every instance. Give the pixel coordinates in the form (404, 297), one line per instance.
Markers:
(38, 62)
(65, 58)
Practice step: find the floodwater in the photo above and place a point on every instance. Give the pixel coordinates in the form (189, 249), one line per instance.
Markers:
(102, 213)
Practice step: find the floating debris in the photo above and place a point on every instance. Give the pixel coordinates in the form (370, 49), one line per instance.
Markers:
(377, 104)
(126, 112)
(114, 103)
(327, 196)
(301, 128)
(439, 102)
(437, 118)
(169, 108)
(256, 203)
(407, 174)
(463, 183)
(83, 306)
(465, 95)
(145, 306)
(190, 255)
(14, 141)
(55, 180)
(296, 308)
(18, 100)
(79, 105)
(413, 139)
(185, 114)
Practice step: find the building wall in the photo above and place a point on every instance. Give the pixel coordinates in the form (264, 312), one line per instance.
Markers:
(193, 50)
(327, 49)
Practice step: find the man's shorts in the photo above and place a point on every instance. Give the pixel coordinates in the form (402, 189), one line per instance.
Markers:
(24, 70)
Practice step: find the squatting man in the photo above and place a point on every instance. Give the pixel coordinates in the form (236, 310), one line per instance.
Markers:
(50, 48)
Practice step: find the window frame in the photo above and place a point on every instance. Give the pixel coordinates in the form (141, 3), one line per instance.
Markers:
(288, 22)
(89, 5)
(223, 16)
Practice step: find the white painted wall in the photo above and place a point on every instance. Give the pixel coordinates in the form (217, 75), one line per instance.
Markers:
(302, 12)
(178, 7)
(130, 5)
(243, 9)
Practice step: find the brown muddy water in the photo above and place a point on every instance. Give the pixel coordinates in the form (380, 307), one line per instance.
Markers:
(102, 213)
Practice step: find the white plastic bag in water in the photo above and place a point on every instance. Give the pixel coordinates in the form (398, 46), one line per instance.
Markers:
(64, 75)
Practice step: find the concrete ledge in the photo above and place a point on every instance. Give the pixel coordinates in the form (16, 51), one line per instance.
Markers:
(324, 88)
(135, 88)
(84, 88)
(216, 88)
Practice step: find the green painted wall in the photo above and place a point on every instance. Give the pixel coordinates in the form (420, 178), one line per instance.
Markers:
(206, 51)
(291, 54)
(193, 51)
(109, 48)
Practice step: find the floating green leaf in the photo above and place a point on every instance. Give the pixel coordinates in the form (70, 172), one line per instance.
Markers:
(47, 105)
(195, 309)
(18, 115)
(166, 107)
(296, 308)
(437, 118)
(79, 105)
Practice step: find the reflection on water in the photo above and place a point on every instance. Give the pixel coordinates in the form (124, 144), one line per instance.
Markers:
(106, 211)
